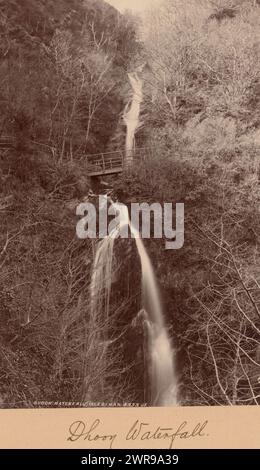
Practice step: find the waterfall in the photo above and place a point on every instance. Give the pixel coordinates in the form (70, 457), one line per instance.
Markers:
(132, 113)
(101, 277)
(161, 355)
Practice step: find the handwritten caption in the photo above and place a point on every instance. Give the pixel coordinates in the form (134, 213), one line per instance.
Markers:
(138, 431)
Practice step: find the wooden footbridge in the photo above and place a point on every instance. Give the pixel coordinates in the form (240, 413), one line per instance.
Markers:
(109, 163)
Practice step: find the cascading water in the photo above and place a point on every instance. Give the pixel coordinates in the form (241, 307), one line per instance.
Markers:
(161, 354)
(101, 277)
(163, 378)
(132, 113)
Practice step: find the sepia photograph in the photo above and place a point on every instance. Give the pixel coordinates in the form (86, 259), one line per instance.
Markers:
(129, 203)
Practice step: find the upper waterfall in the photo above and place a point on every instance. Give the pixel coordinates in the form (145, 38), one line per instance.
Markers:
(132, 112)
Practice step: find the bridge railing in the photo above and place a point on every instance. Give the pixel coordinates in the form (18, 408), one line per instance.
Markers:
(104, 162)
(113, 161)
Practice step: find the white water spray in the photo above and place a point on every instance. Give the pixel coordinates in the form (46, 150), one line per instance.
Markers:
(161, 355)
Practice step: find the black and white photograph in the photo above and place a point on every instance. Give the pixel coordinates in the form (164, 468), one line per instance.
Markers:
(129, 203)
